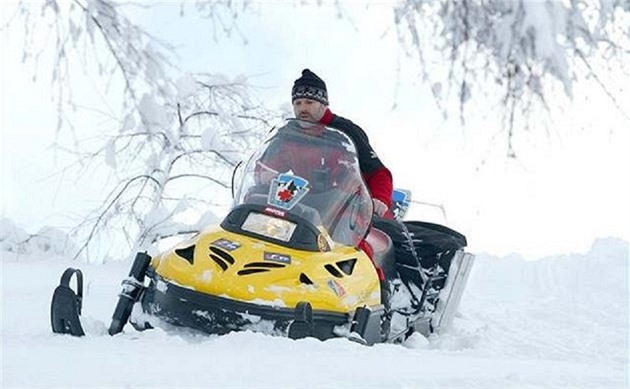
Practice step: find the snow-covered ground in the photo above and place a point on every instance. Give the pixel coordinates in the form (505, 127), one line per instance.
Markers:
(555, 322)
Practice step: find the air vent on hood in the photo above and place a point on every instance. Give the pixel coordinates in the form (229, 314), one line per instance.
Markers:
(334, 271)
(219, 262)
(187, 253)
(347, 266)
(221, 258)
(227, 257)
(265, 264)
(245, 272)
(305, 280)
(259, 267)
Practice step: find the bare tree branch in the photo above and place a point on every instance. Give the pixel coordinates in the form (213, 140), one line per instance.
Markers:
(173, 178)
(104, 212)
(612, 98)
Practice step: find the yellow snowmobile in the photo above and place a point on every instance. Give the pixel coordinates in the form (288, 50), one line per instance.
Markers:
(285, 259)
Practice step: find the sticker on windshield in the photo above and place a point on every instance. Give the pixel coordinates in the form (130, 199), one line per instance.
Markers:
(286, 190)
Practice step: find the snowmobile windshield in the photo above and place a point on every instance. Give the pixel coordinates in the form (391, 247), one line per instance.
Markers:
(310, 171)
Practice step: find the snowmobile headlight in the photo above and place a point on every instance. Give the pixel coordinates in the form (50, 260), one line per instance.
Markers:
(269, 226)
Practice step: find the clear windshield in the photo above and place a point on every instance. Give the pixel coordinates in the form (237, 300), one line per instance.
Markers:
(310, 171)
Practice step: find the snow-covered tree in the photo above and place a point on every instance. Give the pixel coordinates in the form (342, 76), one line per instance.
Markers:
(170, 165)
(511, 53)
(164, 128)
(170, 142)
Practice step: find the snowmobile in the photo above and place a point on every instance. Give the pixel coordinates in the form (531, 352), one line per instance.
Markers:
(285, 259)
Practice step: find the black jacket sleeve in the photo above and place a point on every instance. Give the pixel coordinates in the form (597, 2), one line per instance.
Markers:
(368, 160)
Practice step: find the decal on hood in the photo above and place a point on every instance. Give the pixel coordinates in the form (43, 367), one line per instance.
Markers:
(277, 257)
(336, 287)
(226, 244)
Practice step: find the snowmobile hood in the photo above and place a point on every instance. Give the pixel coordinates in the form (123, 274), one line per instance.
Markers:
(225, 264)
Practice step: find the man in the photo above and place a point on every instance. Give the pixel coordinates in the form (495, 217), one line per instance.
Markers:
(310, 102)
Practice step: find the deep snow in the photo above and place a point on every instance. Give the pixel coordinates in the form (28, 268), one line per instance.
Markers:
(555, 322)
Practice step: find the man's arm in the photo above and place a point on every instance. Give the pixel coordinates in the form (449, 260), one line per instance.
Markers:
(377, 176)
(381, 185)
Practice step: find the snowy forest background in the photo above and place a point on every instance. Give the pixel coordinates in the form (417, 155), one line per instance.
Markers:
(508, 113)
(509, 120)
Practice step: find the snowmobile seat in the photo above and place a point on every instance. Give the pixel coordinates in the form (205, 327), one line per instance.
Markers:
(383, 249)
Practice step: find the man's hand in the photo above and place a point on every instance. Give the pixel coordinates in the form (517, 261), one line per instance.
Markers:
(379, 207)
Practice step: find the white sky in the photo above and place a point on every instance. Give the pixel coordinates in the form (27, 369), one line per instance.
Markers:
(565, 190)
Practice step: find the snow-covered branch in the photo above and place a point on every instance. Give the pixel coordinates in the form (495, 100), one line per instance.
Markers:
(150, 158)
(166, 127)
(519, 45)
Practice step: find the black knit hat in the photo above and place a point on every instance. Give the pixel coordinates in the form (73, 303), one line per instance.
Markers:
(310, 86)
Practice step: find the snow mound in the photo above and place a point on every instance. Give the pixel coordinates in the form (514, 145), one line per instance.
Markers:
(570, 307)
(48, 242)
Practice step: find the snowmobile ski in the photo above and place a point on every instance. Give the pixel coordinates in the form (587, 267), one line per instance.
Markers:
(65, 308)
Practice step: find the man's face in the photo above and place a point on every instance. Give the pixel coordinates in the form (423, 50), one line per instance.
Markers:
(307, 109)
